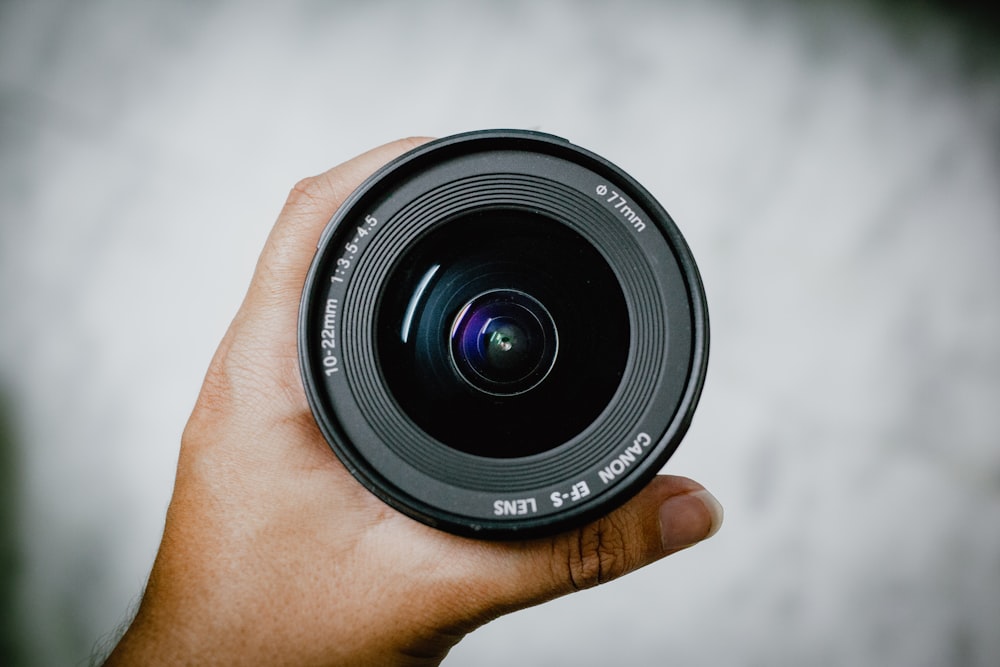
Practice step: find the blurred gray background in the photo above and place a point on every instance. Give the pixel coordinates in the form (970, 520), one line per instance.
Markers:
(834, 166)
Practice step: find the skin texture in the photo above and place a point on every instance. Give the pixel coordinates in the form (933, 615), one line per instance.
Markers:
(273, 554)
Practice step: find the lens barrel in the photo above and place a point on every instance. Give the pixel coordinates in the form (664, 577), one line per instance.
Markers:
(503, 335)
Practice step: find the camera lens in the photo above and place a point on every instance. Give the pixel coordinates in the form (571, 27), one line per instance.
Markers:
(502, 334)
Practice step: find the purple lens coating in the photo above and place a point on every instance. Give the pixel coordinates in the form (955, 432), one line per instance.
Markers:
(503, 342)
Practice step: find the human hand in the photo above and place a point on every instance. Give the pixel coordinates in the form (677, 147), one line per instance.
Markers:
(273, 553)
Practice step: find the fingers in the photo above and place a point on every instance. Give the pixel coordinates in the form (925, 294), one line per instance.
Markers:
(285, 260)
(256, 361)
(670, 514)
(683, 520)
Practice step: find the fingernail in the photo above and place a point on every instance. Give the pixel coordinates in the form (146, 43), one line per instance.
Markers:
(689, 518)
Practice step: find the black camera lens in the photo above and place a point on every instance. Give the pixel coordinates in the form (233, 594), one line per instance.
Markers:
(502, 334)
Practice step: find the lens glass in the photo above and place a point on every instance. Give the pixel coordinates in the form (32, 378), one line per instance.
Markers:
(502, 333)
(503, 342)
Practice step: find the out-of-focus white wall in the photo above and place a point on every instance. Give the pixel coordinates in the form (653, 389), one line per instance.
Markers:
(833, 167)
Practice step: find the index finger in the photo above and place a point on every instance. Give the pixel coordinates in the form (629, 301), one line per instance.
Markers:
(284, 261)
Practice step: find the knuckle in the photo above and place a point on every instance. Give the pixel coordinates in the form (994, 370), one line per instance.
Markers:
(598, 555)
(411, 142)
(228, 386)
(306, 193)
(215, 405)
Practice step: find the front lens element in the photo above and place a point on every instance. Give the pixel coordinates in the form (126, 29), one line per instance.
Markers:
(490, 343)
(503, 342)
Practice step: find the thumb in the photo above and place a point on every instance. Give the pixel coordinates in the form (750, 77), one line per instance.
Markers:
(669, 514)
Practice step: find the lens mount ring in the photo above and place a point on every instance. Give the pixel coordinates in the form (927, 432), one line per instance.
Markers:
(441, 186)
